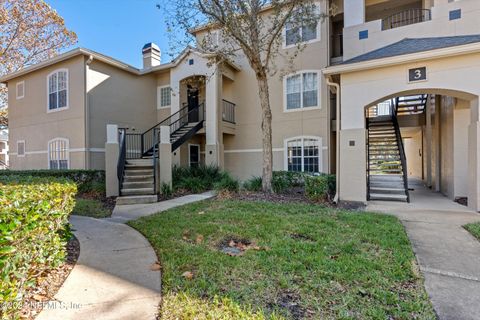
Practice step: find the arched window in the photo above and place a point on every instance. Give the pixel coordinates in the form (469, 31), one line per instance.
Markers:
(303, 154)
(58, 154)
(57, 84)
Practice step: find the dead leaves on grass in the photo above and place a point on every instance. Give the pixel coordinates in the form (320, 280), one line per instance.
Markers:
(156, 266)
(188, 275)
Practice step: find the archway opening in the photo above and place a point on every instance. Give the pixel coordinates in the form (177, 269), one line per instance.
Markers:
(417, 140)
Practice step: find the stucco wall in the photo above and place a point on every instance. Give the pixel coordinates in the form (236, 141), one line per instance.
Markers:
(452, 76)
(30, 121)
(461, 119)
(243, 152)
(117, 97)
(440, 25)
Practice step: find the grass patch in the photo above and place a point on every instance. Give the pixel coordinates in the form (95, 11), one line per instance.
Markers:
(474, 229)
(303, 261)
(90, 208)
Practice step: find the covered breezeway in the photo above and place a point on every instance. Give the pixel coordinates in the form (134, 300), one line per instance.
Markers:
(448, 133)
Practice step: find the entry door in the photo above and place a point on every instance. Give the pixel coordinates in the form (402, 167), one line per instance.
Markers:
(194, 155)
(192, 104)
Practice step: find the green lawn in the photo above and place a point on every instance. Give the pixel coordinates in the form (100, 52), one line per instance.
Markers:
(474, 229)
(90, 208)
(305, 262)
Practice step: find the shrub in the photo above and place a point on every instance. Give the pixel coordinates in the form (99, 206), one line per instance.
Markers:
(194, 184)
(34, 231)
(196, 179)
(166, 190)
(254, 184)
(226, 183)
(88, 181)
(319, 188)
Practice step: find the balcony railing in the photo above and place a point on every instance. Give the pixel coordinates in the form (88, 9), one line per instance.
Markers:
(405, 18)
(228, 111)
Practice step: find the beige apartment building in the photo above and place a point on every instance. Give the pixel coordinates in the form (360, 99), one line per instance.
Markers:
(396, 78)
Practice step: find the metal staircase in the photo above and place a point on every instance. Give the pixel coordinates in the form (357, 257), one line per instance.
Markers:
(387, 175)
(139, 154)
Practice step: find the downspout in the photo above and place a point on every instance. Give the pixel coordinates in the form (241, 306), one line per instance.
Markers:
(87, 115)
(337, 142)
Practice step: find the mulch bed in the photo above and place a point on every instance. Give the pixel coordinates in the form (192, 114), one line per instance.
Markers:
(49, 283)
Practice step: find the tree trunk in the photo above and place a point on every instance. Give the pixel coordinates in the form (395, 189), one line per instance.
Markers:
(266, 132)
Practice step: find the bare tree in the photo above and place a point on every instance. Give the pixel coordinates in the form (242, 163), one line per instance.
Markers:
(253, 29)
(30, 32)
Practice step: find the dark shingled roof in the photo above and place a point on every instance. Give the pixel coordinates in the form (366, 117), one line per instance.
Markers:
(407, 46)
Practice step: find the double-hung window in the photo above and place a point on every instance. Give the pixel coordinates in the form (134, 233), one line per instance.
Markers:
(303, 154)
(302, 31)
(21, 148)
(20, 90)
(58, 90)
(164, 97)
(301, 91)
(58, 157)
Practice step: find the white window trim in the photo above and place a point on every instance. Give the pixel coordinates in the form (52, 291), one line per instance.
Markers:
(320, 151)
(16, 90)
(319, 86)
(68, 91)
(199, 152)
(159, 97)
(317, 39)
(68, 151)
(24, 149)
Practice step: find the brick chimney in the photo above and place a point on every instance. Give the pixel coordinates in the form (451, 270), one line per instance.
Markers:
(151, 55)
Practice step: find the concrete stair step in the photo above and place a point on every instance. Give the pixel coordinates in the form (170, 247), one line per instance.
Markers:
(140, 172)
(138, 178)
(139, 161)
(387, 190)
(138, 167)
(123, 200)
(385, 177)
(137, 192)
(138, 184)
(388, 197)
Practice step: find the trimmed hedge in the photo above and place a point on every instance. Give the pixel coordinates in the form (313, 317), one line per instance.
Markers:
(320, 188)
(87, 180)
(34, 231)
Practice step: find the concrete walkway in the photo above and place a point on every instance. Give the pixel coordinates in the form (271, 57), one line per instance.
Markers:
(448, 255)
(112, 278)
(124, 213)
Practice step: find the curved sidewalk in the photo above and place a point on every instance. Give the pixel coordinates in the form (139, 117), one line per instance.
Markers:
(112, 278)
(449, 257)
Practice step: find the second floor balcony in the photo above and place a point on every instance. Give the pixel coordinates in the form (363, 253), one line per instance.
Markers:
(406, 17)
(370, 25)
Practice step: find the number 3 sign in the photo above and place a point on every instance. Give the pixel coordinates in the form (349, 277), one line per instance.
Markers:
(417, 74)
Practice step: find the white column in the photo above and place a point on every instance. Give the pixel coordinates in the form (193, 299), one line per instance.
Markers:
(164, 167)
(474, 158)
(354, 12)
(111, 161)
(214, 137)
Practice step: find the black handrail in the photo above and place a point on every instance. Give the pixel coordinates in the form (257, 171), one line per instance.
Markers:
(403, 158)
(406, 17)
(228, 111)
(3, 164)
(121, 158)
(148, 136)
(189, 117)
